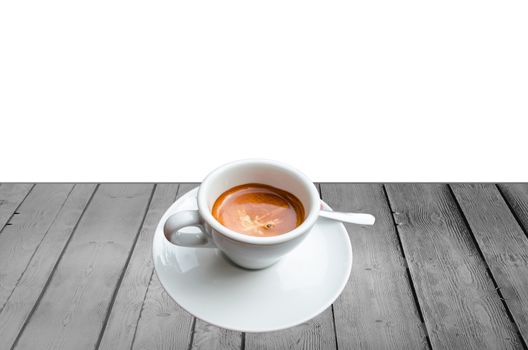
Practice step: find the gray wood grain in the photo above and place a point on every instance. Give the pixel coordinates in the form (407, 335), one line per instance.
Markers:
(207, 336)
(317, 333)
(73, 308)
(516, 195)
(458, 300)
(25, 295)
(20, 239)
(162, 323)
(376, 309)
(503, 244)
(121, 326)
(11, 195)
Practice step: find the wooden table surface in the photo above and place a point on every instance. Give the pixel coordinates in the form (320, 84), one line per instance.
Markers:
(444, 267)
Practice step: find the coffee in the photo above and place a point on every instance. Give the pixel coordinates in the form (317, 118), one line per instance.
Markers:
(258, 210)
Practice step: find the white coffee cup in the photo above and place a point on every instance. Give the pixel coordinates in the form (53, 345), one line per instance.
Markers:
(247, 251)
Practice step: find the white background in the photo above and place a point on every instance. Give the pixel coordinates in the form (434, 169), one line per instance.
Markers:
(346, 91)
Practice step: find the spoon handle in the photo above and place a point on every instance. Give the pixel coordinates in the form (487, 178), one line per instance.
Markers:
(352, 218)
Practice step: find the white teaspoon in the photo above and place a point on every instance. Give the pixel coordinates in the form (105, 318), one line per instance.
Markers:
(351, 218)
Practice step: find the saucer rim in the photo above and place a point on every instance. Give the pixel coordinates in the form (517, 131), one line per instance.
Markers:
(271, 329)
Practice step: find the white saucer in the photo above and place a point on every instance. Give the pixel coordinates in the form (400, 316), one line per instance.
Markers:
(297, 288)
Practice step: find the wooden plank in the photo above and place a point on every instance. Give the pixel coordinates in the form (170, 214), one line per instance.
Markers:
(11, 195)
(20, 239)
(24, 297)
(162, 323)
(516, 195)
(317, 333)
(207, 336)
(121, 326)
(502, 243)
(457, 297)
(377, 308)
(73, 308)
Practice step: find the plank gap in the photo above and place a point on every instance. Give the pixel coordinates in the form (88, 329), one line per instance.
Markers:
(141, 311)
(150, 281)
(335, 328)
(193, 327)
(243, 341)
(160, 322)
(376, 308)
(114, 294)
(37, 247)
(488, 269)
(514, 213)
(17, 207)
(407, 270)
(48, 281)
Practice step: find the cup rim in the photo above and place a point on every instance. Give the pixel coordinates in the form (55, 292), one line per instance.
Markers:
(313, 211)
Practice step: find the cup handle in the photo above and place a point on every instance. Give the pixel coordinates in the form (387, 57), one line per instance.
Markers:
(182, 219)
